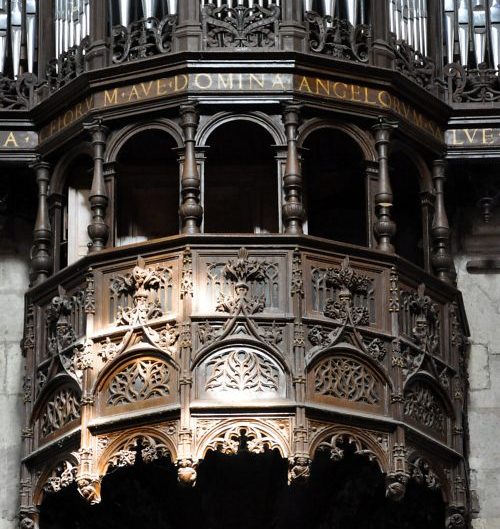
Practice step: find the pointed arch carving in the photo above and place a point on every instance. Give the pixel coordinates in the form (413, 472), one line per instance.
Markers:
(153, 443)
(363, 139)
(60, 172)
(273, 127)
(232, 435)
(240, 371)
(119, 138)
(56, 476)
(425, 177)
(333, 439)
(427, 471)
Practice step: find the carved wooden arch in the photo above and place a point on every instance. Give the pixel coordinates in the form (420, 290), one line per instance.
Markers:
(60, 172)
(363, 139)
(431, 382)
(262, 434)
(365, 443)
(57, 475)
(276, 131)
(350, 350)
(414, 157)
(120, 137)
(156, 444)
(50, 388)
(434, 476)
(136, 352)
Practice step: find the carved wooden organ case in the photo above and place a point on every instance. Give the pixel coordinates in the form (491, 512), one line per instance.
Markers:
(297, 348)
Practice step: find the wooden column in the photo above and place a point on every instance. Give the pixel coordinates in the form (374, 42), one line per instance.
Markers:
(191, 212)
(41, 261)
(188, 35)
(440, 231)
(293, 209)
(292, 29)
(46, 21)
(427, 208)
(97, 53)
(98, 229)
(385, 227)
(380, 54)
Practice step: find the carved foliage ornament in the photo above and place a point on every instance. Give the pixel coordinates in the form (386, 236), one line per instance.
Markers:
(338, 38)
(344, 378)
(148, 447)
(242, 370)
(413, 64)
(422, 405)
(472, 85)
(141, 283)
(240, 26)
(422, 473)
(62, 476)
(245, 437)
(138, 381)
(63, 408)
(425, 332)
(336, 445)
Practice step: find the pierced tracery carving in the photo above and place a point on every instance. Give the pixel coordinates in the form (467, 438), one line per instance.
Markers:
(344, 378)
(421, 471)
(142, 283)
(139, 380)
(245, 437)
(336, 445)
(422, 405)
(240, 26)
(63, 408)
(63, 475)
(242, 370)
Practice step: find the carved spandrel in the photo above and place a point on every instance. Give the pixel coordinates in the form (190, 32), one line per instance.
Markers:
(60, 410)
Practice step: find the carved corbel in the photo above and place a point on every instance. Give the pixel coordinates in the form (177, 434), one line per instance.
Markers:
(299, 469)
(89, 488)
(397, 479)
(186, 472)
(191, 212)
(98, 230)
(384, 227)
(293, 209)
(41, 260)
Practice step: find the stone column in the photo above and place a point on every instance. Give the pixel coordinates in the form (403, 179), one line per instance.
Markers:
(440, 231)
(191, 212)
(41, 260)
(385, 227)
(98, 229)
(293, 209)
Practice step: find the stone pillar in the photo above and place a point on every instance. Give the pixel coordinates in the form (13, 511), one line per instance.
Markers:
(41, 261)
(188, 35)
(440, 231)
(98, 229)
(292, 30)
(191, 212)
(384, 227)
(293, 209)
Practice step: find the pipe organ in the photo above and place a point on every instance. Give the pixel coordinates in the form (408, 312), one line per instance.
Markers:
(126, 11)
(408, 21)
(72, 23)
(244, 3)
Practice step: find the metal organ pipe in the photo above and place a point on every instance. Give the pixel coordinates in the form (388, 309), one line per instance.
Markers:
(30, 32)
(15, 31)
(479, 25)
(124, 12)
(463, 31)
(3, 37)
(495, 32)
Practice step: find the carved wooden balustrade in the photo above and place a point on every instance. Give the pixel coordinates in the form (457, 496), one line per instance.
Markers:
(308, 344)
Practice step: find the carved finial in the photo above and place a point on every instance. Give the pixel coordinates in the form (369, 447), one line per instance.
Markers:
(41, 261)
(191, 212)
(441, 259)
(98, 230)
(384, 228)
(293, 209)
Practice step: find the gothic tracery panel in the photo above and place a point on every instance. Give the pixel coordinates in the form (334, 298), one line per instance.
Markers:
(424, 407)
(62, 408)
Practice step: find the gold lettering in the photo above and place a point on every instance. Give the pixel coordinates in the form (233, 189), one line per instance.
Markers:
(341, 95)
(111, 97)
(208, 81)
(417, 118)
(79, 110)
(324, 85)
(367, 96)
(68, 118)
(488, 138)
(259, 81)
(240, 81)
(11, 139)
(161, 88)
(134, 93)
(470, 137)
(355, 91)
(185, 81)
(89, 102)
(146, 89)
(225, 83)
(384, 98)
(278, 81)
(305, 83)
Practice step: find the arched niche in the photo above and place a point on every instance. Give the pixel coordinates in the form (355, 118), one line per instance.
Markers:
(146, 187)
(335, 186)
(240, 189)
(137, 381)
(240, 372)
(344, 378)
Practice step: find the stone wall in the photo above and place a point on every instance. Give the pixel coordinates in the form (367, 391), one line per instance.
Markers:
(481, 294)
(15, 237)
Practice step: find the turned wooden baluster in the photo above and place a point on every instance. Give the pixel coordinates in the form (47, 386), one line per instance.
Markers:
(98, 230)
(293, 210)
(440, 231)
(384, 227)
(191, 212)
(41, 261)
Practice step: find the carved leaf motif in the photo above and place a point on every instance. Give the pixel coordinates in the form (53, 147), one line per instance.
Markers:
(61, 410)
(344, 378)
(424, 407)
(141, 380)
(242, 370)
